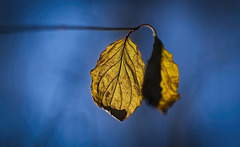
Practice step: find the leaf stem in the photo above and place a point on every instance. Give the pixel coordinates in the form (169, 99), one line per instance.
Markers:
(149, 26)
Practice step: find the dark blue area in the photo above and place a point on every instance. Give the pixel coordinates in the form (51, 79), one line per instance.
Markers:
(45, 97)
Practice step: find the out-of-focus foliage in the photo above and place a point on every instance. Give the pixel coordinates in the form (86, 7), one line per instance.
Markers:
(170, 80)
(117, 79)
(161, 78)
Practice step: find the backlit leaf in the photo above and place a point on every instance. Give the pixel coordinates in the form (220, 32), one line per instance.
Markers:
(117, 79)
(161, 78)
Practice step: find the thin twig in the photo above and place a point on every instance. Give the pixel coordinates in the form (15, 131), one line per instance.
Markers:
(9, 29)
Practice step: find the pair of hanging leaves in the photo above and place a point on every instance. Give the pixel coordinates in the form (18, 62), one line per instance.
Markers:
(119, 81)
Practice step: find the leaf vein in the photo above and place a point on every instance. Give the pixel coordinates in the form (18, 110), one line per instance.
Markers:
(129, 82)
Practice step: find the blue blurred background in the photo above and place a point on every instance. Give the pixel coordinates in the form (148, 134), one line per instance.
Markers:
(45, 97)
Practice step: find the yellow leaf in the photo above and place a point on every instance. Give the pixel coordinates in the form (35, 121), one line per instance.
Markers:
(117, 79)
(161, 78)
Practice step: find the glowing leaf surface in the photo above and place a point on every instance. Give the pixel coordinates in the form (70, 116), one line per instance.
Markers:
(117, 79)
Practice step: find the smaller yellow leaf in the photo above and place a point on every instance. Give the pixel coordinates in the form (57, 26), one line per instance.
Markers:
(117, 79)
(161, 78)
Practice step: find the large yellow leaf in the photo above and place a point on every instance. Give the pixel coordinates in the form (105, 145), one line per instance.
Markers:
(161, 78)
(117, 79)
